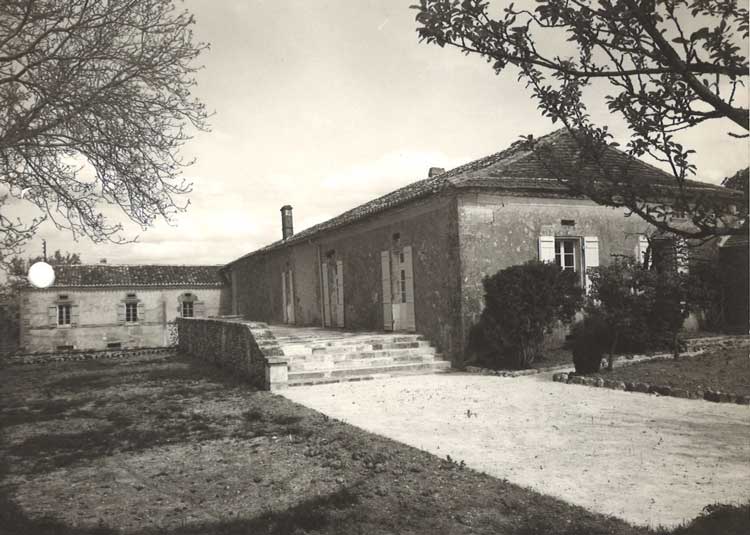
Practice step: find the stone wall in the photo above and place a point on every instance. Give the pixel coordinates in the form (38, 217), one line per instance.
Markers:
(97, 326)
(248, 349)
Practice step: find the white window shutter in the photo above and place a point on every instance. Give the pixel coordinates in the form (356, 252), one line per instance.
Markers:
(590, 256)
(52, 315)
(141, 313)
(121, 313)
(547, 248)
(291, 296)
(340, 293)
(385, 268)
(326, 295)
(75, 316)
(409, 323)
(199, 309)
(641, 249)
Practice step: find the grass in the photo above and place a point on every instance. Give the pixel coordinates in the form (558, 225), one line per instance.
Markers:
(725, 371)
(158, 445)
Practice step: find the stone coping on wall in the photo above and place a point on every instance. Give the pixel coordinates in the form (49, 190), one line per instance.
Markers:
(645, 388)
(46, 358)
(248, 348)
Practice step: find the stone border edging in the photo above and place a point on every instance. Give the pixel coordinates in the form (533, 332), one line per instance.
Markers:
(645, 388)
(48, 358)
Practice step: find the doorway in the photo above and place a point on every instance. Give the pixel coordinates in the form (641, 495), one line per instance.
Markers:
(398, 289)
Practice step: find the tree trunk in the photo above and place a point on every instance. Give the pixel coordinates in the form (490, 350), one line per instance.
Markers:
(611, 359)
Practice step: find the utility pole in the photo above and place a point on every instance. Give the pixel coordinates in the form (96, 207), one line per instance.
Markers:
(44, 249)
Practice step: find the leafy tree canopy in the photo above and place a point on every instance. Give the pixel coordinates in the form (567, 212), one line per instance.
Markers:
(94, 104)
(670, 65)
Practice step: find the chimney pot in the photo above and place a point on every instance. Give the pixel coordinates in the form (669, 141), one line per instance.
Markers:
(287, 223)
(435, 171)
(103, 261)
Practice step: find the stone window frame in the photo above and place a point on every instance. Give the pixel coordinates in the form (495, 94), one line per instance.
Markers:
(196, 305)
(63, 308)
(130, 310)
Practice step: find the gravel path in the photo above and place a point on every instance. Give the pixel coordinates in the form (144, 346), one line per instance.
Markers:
(646, 459)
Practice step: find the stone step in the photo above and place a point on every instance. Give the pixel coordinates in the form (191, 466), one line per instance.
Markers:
(361, 374)
(301, 365)
(359, 355)
(356, 340)
(293, 350)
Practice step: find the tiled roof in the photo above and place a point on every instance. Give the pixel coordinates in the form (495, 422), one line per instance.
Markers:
(134, 276)
(516, 168)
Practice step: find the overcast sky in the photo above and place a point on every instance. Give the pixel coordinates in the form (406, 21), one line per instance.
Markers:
(326, 104)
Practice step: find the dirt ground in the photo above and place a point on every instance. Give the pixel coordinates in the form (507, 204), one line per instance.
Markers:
(649, 460)
(722, 371)
(165, 446)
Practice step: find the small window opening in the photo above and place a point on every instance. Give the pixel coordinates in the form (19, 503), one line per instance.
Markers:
(396, 236)
(114, 345)
(402, 285)
(568, 222)
(63, 297)
(187, 309)
(130, 296)
(65, 348)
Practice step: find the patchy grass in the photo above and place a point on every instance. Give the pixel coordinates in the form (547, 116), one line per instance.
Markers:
(725, 371)
(159, 445)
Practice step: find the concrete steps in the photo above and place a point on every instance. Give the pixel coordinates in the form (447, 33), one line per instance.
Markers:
(317, 356)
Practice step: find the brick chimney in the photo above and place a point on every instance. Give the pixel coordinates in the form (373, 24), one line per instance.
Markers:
(287, 224)
(435, 171)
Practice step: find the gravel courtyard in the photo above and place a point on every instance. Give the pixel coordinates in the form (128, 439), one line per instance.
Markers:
(649, 460)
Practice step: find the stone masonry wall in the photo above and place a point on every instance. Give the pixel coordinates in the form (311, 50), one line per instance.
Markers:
(245, 348)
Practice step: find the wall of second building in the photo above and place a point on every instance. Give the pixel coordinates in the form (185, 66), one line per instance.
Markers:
(97, 317)
(429, 227)
(498, 231)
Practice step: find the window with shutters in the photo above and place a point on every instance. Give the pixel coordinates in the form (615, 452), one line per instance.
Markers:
(63, 314)
(131, 312)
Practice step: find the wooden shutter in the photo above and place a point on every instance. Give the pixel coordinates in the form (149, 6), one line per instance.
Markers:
(199, 309)
(641, 249)
(385, 268)
(340, 293)
(290, 289)
(121, 313)
(141, 313)
(408, 322)
(52, 315)
(326, 295)
(547, 248)
(75, 317)
(590, 256)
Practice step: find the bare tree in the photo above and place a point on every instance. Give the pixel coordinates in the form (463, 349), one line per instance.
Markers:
(95, 103)
(670, 65)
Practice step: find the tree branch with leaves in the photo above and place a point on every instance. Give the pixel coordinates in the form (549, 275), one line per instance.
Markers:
(670, 65)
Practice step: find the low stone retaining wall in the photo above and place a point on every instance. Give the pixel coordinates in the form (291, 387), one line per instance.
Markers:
(244, 347)
(645, 388)
(46, 358)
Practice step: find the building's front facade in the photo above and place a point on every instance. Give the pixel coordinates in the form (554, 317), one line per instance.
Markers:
(414, 260)
(102, 306)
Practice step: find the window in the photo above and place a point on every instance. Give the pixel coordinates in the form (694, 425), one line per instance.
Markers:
(114, 345)
(63, 314)
(131, 312)
(187, 309)
(565, 254)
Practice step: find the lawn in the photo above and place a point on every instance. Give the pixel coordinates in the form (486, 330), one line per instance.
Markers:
(724, 371)
(160, 445)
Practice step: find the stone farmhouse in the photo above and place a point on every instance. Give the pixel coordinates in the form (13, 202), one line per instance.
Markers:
(413, 260)
(104, 306)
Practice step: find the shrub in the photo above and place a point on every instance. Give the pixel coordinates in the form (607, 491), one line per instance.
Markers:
(522, 303)
(591, 339)
(643, 309)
